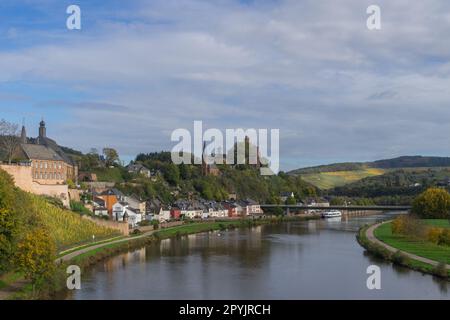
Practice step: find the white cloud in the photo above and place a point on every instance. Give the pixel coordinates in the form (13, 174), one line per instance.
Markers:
(312, 69)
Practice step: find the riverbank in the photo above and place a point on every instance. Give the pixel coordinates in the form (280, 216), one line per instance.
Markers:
(85, 257)
(367, 237)
(92, 255)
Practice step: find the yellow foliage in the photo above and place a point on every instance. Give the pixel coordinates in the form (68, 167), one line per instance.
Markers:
(68, 228)
(35, 255)
(433, 234)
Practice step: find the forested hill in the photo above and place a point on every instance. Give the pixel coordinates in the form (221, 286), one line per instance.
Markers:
(411, 162)
(395, 163)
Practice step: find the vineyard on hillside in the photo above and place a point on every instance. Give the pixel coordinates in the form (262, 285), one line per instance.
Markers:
(68, 228)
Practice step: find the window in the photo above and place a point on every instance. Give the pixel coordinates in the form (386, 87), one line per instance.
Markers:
(41, 165)
(45, 165)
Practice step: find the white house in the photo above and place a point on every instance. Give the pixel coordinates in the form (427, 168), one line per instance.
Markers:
(162, 215)
(250, 207)
(121, 211)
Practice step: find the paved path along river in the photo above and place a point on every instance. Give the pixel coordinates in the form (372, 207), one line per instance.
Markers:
(371, 237)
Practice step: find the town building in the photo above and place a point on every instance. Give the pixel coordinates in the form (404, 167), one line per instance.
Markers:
(123, 212)
(139, 168)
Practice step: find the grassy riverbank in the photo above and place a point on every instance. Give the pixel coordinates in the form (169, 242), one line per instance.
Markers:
(426, 249)
(396, 257)
(91, 257)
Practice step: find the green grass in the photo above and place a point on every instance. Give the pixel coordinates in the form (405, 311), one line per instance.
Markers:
(67, 251)
(109, 174)
(328, 180)
(418, 247)
(193, 228)
(441, 223)
(9, 278)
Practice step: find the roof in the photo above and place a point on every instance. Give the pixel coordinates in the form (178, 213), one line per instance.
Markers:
(112, 192)
(137, 167)
(40, 152)
(44, 141)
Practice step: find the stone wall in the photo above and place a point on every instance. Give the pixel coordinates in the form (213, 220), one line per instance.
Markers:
(100, 186)
(23, 179)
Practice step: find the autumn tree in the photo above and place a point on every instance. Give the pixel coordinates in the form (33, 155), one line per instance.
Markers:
(35, 256)
(8, 221)
(434, 203)
(9, 138)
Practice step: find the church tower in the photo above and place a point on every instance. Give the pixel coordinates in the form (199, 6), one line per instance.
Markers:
(23, 134)
(42, 129)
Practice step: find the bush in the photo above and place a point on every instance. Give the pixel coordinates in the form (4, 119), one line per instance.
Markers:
(433, 234)
(444, 237)
(136, 232)
(79, 207)
(410, 226)
(145, 223)
(399, 258)
(440, 270)
(155, 224)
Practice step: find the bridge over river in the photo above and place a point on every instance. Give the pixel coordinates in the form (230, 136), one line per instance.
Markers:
(353, 210)
(331, 207)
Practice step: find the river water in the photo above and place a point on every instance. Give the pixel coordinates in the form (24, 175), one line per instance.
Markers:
(318, 259)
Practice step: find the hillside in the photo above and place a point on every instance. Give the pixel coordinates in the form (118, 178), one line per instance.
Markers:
(327, 180)
(340, 174)
(395, 186)
(64, 227)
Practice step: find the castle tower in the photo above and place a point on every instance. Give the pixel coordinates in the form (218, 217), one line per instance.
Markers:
(42, 129)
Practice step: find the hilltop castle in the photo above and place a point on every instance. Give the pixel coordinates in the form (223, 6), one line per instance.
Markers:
(42, 168)
(49, 163)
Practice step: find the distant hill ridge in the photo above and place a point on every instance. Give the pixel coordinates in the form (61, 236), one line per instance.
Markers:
(395, 163)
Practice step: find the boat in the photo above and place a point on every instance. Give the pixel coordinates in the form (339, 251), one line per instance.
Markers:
(331, 214)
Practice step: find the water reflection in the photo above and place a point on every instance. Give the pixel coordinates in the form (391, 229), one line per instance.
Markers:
(295, 260)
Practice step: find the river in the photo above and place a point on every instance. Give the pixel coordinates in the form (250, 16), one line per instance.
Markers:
(317, 259)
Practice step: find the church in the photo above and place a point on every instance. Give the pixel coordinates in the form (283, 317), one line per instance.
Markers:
(50, 165)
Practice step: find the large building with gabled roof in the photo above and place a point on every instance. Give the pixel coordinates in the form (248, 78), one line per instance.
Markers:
(49, 163)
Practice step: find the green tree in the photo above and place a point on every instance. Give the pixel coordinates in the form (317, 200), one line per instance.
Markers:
(172, 174)
(434, 203)
(8, 220)
(291, 201)
(111, 156)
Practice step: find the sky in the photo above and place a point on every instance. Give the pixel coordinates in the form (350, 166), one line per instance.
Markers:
(137, 70)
